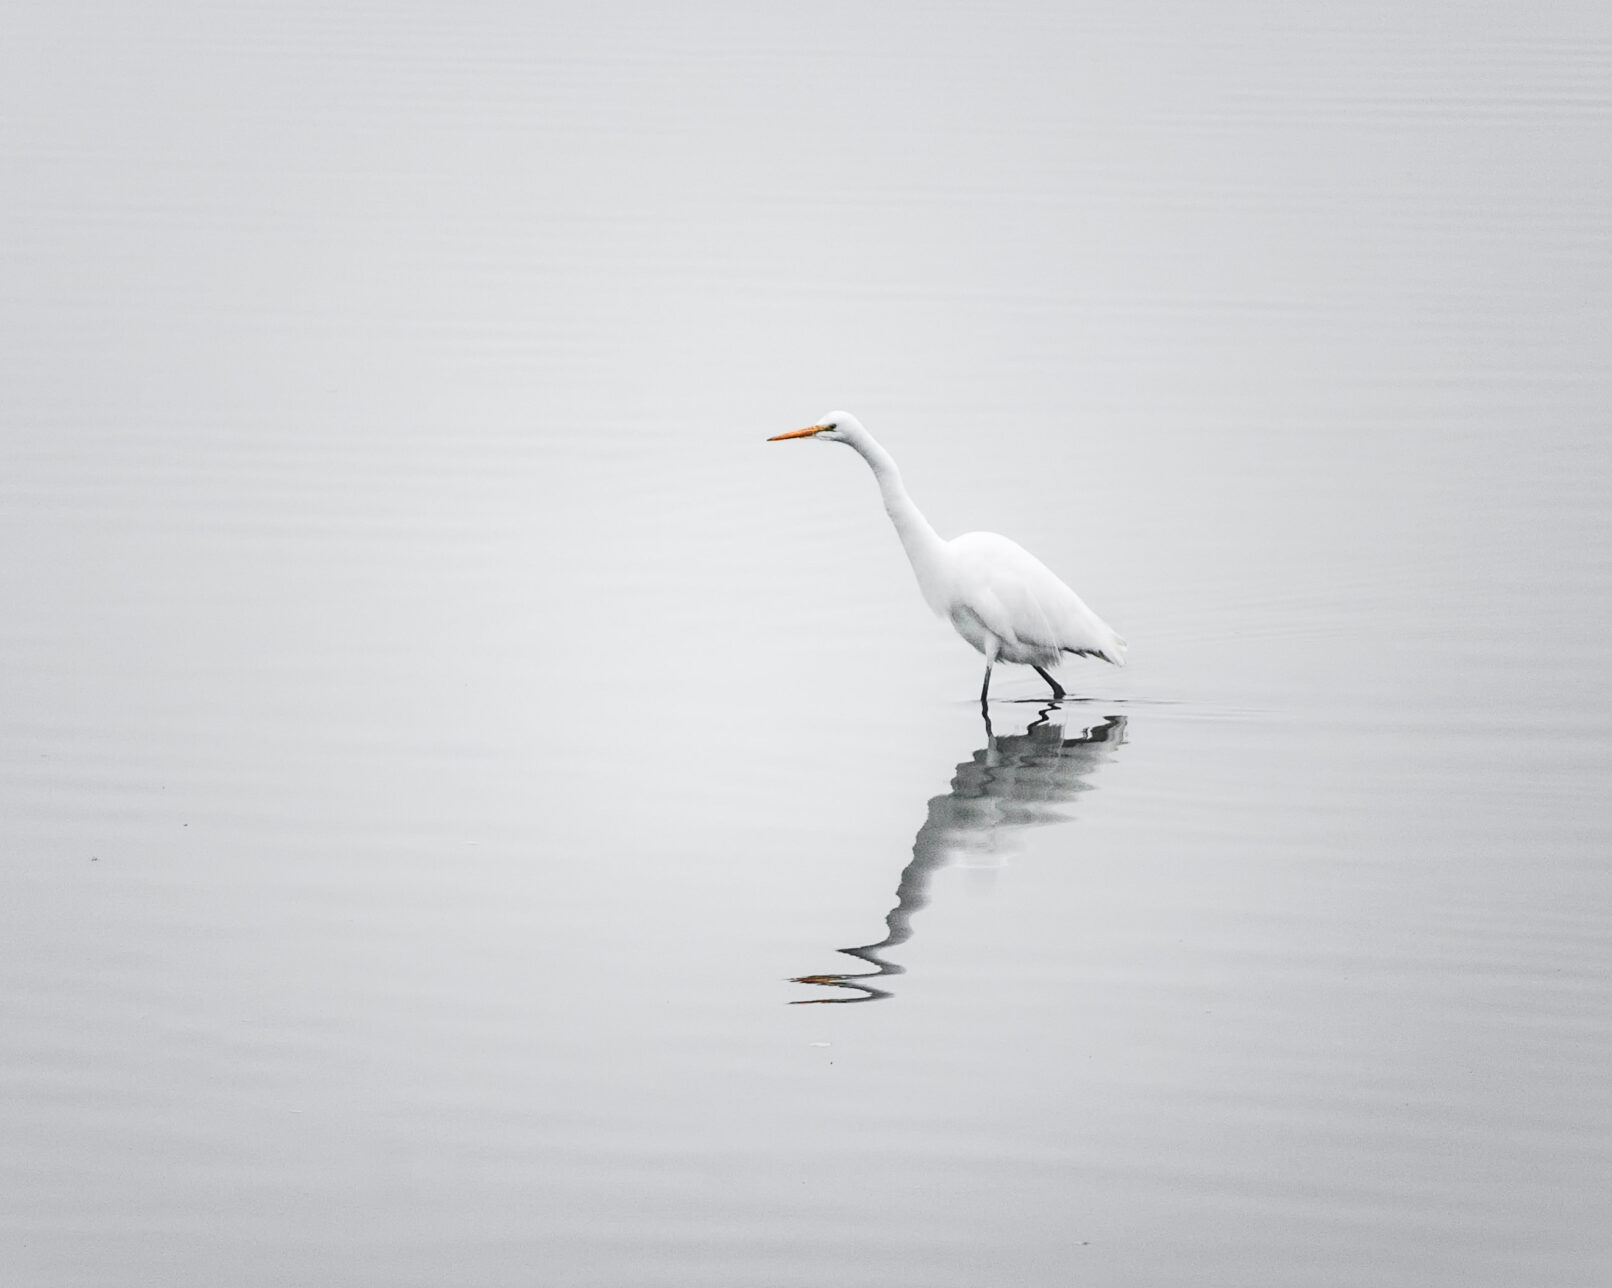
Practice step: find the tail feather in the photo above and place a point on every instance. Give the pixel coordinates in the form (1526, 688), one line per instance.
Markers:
(1113, 652)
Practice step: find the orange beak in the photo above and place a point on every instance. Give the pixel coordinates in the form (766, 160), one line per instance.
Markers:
(797, 433)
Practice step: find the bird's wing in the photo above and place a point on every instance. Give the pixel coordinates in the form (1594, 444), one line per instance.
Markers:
(1022, 601)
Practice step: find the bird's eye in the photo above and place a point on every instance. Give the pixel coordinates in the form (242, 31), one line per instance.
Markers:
(831, 426)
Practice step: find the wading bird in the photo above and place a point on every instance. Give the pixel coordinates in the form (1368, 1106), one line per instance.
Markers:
(999, 597)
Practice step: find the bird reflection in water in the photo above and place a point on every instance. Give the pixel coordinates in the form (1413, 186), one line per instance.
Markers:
(1012, 782)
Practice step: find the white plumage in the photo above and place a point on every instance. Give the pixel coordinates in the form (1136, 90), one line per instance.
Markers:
(996, 594)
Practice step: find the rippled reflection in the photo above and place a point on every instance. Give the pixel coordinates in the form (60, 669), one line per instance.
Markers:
(1013, 782)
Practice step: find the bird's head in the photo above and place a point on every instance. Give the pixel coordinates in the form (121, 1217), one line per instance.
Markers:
(834, 427)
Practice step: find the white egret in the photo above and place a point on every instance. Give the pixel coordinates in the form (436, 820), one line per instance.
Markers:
(999, 597)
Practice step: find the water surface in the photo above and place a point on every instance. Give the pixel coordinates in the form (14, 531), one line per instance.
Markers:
(450, 760)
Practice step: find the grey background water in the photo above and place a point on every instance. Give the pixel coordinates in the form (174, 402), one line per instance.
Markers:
(438, 730)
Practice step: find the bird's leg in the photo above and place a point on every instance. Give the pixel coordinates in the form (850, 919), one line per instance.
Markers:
(1057, 689)
(985, 690)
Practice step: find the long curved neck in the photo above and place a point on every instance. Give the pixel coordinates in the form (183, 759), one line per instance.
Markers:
(925, 550)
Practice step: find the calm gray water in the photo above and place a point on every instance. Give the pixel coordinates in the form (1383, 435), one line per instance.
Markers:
(474, 813)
